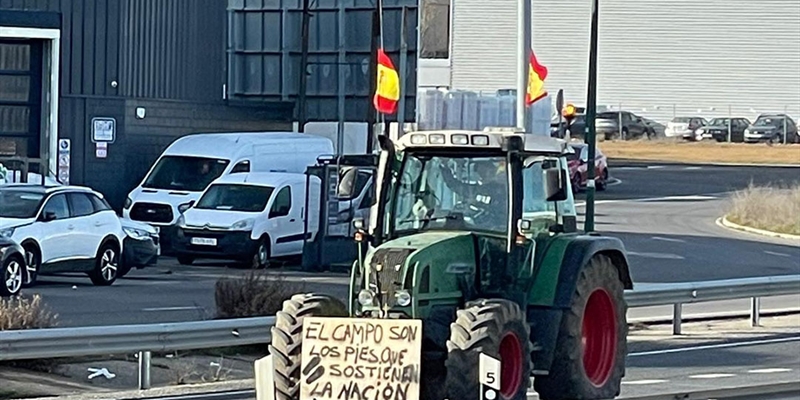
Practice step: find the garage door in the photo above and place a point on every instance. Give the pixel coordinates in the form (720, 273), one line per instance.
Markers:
(20, 97)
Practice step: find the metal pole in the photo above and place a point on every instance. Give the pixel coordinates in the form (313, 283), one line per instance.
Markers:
(591, 114)
(144, 370)
(619, 116)
(755, 311)
(401, 110)
(523, 47)
(301, 91)
(340, 68)
(785, 127)
(677, 310)
(730, 122)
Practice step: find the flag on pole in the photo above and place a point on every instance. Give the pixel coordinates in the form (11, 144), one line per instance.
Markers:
(387, 91)
(537, 73)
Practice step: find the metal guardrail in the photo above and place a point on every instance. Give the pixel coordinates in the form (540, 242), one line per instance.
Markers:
(144, 339)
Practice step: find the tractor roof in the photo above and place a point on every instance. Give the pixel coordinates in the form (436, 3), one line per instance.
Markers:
(487, 139)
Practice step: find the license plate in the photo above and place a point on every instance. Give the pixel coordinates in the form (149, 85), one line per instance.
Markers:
(204, 241)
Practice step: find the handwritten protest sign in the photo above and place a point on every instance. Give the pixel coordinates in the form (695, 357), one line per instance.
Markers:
(360, 359)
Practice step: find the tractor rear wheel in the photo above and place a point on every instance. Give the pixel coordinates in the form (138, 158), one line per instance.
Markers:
(287, 337)
(498, 329)
(589, 360)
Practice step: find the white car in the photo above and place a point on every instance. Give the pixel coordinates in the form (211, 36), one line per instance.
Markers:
(250, 218)
(62, 229)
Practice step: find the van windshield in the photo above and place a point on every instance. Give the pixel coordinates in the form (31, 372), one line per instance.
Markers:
(246, 198)
(192, 174)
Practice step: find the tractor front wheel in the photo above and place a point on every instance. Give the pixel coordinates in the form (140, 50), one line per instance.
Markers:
(287, 338)
(589, 360)
(498, 329)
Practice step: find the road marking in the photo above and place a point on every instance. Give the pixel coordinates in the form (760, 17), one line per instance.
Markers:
(692, 168)
(644, 382)
(668, 239)
(711, 376)
(660, 256)
(777, 254)
(656, 167)
(651, 199)
(192, 308)
(614, 182)
(769, 370)
(715, 346)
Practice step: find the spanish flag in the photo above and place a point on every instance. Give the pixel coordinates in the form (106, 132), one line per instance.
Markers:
(537, 73)
(387, 92)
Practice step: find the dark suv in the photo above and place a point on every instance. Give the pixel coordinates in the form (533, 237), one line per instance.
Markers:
(622, 125)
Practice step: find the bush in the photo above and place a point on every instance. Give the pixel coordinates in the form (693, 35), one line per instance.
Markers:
(23, 313)
(770, 208)
(256, 294)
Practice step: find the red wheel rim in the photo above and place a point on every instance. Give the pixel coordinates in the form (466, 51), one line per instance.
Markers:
(511, 367)
(599, 337)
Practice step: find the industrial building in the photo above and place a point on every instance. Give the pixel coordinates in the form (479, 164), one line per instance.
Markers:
(657, 58)
(121, 79)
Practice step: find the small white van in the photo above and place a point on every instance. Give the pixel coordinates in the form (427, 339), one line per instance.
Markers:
(250, 218)
(192, 162)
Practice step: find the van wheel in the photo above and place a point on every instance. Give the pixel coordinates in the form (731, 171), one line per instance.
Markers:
(106, 267)
(260, 257)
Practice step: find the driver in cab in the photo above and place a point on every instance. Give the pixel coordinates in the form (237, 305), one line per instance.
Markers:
(487, 197)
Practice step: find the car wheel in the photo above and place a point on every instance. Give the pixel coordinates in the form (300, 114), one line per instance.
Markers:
(576, 184)
(260, 258)
(106, 267)
(602, 183)
(625, 134)
(13, 270)
(33, 261)
(185, 260)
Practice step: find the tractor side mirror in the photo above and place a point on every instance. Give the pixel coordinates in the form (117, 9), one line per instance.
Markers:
(555, 184)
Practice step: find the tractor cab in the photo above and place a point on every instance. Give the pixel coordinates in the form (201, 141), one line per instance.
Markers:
(458, 214)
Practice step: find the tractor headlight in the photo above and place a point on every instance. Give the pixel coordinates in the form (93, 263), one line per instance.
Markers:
(403, 298)
(366, 298)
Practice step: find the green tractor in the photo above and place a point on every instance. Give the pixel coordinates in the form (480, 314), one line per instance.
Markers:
(475, 234)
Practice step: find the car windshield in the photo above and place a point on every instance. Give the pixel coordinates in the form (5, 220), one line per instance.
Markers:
(451, 193)
(681, 120)
(719, 121)
(192, 174)
(19, 204)
(245, 198)
(769, 121)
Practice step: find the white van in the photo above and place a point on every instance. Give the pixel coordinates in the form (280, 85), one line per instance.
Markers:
(250, 218)
(192, 162)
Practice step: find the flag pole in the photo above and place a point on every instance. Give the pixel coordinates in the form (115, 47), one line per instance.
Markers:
(523, 49)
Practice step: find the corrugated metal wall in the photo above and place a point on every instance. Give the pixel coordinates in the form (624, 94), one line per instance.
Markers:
(658, 58)
(265, 49)
(161, 49)
(484, 45)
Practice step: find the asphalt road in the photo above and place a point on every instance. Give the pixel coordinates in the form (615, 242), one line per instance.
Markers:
(665, 214)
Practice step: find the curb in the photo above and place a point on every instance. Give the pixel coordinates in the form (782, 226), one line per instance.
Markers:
(725, 223)
(628, 162)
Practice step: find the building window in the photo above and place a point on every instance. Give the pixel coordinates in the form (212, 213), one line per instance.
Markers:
(435, 29)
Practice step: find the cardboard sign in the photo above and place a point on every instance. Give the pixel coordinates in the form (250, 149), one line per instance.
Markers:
(351, 358)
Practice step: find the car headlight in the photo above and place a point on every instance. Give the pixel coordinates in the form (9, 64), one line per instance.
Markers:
(243, 225)
(7, 232)
(134, 233)
(366, 298)
(128, 203)
(403, 298)
(747, 131)
(182, 221)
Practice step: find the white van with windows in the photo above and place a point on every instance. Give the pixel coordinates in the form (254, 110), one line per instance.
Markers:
(250, 218)
(186, 168)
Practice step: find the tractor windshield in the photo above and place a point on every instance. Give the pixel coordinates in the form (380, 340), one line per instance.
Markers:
(451, 193)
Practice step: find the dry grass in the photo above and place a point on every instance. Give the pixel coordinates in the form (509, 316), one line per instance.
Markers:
(769, 208)
(253, 295)
(701, 152)
(21, 313)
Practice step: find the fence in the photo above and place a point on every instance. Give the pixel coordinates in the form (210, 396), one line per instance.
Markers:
(144, 339)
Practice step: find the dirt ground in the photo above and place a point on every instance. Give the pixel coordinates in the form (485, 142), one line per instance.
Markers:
(702, 152)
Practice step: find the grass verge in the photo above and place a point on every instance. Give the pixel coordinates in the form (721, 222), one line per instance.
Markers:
(256, 294)
(701, 152)
(769, 208)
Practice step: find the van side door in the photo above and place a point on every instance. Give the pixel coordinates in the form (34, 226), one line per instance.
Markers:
(284, 218)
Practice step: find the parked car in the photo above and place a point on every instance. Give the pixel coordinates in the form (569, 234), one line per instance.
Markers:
(12, 261)
(577, 163)
(62, 229)
(772, 128)
(632, 126)
(250, 218)
(684, 127)
(655, 129)
(141, 246)
(717, 129)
